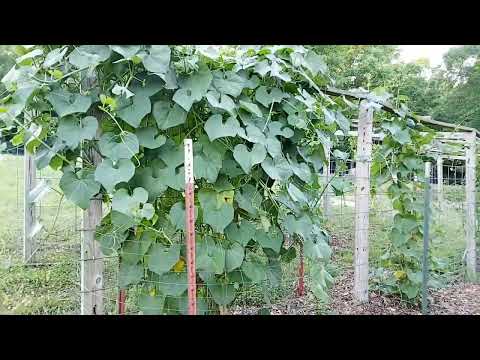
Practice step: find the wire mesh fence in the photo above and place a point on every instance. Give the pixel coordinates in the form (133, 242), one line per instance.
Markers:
(58, 247)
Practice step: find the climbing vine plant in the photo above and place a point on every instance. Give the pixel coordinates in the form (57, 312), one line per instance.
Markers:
(398, 168)
(260, 126)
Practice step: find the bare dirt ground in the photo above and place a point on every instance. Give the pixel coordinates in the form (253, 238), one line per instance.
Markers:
(458, 299)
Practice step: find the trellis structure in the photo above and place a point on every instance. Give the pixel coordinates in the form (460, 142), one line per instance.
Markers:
(457, 144)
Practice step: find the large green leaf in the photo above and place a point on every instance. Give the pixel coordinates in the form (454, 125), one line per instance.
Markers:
(149, 179)
(249, 199)
(234, 257)
(255, 271)
(151, 305)
(89, 55)
(210, 257)
(241, 233)
(177, 215)
(121, 146)
(221, 101)
(158, 59)
(109, 174)
(228, 83)
(223, 294)
(134, 205)
(72, 131)
(127, 51)
(270, 240)
(251, 108)
(148, 137)
(79, 187)
(168, 115)
(266, 98)
(247, 159)
(173, 284)
(193, 88)
(216, 128)
(278, 168)
(133, 250)
(65, 103)
(162, 258)
(134, 109)
(129, 274)
(208, 159)
(216, 213)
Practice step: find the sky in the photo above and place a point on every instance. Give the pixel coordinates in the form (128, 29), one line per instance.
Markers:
(434, 53)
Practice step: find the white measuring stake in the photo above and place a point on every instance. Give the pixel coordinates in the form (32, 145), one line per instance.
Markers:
(190, 227)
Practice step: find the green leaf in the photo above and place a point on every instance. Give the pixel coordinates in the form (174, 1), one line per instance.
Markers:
(255, 271)
(168, 115)
(134, 109)
(221, 101)
(302, 170)
(207, 161)
(276, 128)
(161, 258)
(135, 249)
(253, 134)
(247, 159)
(89, 55)
(216, 214)
(234, 257)
(228, 83)
(223, 294)
(210, 257)
(266, 98)
(65, 103)
(116, 147)
(342, 122)
(193, 88)
(72, 131)
(249, 199)
(110, 175)
(278, 168)
(241, 233)
(127, 51)
(177, 215)
(158, 59)
(151, 305)
(251, 108)
(79, 187)
(148, 137)
(270, 240)
(54, 56)
(402, 137)
(110, 238)
(314, 63)
(316, 250)
(129, 274)
(149, 179)
(301, 226)
(215, 128)
(173, 284)
(130, 204)
(274, 147)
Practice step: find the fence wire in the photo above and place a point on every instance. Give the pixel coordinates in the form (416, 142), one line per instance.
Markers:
(58, 246)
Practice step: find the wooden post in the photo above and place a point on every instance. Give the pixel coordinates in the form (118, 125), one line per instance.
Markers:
(91, 282)
(29, 221)
(362, 200)
(326, 194)
(470, 227)
(440, 181)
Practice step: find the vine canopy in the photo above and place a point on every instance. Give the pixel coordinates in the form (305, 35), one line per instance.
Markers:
(113, 119)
